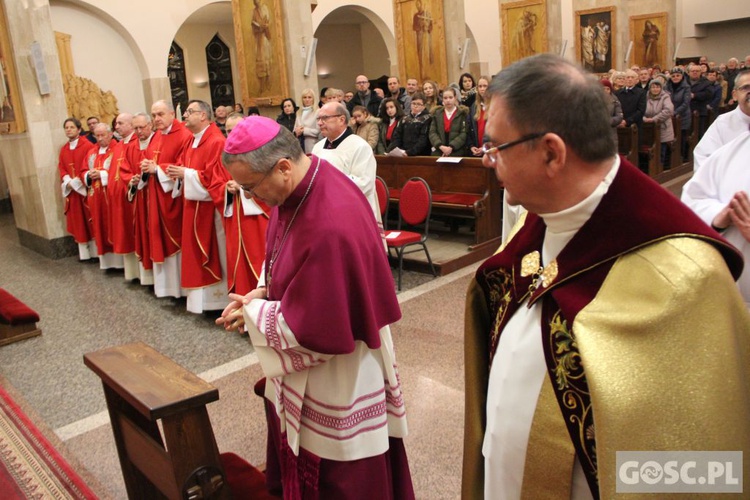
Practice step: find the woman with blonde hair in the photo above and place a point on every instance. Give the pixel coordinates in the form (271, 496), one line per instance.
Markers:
(432, 95)
(306, 125)
(477, 118)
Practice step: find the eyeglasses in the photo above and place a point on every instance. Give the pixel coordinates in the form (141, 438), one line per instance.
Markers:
(744, 88)
(322, 118)
(491, 151)
(418, 104)
(250, 190)
(362, 82)
(190, 111)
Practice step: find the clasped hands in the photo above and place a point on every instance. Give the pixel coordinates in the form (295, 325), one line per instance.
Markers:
(232, 318)
(737, 213)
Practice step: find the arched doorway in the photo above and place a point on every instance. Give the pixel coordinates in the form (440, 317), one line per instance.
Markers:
(353, 41)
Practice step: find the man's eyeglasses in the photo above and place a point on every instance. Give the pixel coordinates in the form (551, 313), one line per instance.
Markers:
(250, 190)
(362, 82)
(190, 111)
(491, 151)
(322, 118)
(744, 88)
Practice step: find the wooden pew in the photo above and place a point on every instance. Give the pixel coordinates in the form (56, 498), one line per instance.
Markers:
(141, 387)
(650, 148)
(627, 143)
(466, 189)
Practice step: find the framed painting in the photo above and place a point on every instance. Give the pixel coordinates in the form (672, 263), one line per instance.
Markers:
(648, 33)
(11, 116)
(420, 37)
(259, 32)
(594, 34)
(524, 29)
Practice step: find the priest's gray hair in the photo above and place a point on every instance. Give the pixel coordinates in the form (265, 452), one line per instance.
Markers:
(144, 115)
(263, 159)
(546, 93)
(102, 125)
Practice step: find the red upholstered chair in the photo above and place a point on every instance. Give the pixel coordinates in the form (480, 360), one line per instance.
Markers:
(414, 207)
(381, 189)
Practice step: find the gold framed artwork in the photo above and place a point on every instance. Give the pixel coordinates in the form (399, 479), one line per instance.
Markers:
(11, 115)
(259, 32)
(524, 29)
(420, 37)
(649, 35)
(594, 34)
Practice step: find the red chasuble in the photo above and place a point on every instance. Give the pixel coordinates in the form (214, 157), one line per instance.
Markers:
(201, 266)
(121, 225)
(98, 198)
(165, 212)
(76, 210)
(139, 200)
(245, 234)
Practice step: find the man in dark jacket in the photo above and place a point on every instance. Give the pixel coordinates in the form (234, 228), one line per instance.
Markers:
(398, 92)
(729, 75)
(365, 97)
(633, 100)
(411, 134)
(701, 94)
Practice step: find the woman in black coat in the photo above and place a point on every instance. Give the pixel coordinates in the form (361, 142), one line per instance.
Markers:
(288, 115)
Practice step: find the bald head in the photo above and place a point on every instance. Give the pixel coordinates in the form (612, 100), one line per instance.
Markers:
(162, 112)
(124, 124)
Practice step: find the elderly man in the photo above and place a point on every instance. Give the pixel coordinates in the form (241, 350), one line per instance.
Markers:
(96, 176)
(203, 268)
(120, 225)
(364, 97)
(594, 310)
(700, 96)
(165, 211)
(633, 100)
(727, 126)
(347, 151)
(335, 410)
(221, 119)
(138, 196)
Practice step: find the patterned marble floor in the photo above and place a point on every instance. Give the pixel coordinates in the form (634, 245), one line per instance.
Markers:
(84, 309)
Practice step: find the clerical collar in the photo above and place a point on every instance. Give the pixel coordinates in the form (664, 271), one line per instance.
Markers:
(74, 143)
(573, 218)
(127, 139)
(335, 143)
(144, 144)
(168, 129)
(197, 137)
(103, 150)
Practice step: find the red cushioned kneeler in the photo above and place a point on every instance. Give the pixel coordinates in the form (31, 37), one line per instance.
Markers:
(17, 320)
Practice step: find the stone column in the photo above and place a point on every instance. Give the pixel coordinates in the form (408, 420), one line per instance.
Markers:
(155, 89)
(298, 31)
(455, 33)
(31, 157)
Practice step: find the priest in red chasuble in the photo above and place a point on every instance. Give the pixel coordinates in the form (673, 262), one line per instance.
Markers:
(245, 224)
(203, 247)
(164, 206)
(72, 158)
(319, 322)
(96, 177)
(121, 227)
(138, 196)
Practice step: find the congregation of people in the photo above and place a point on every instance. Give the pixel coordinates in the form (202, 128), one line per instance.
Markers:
(235, 214)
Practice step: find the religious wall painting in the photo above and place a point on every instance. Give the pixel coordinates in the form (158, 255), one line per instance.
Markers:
(524, 29)
(648, 33)
(11, 116)
(595, 49)
(259, 32)
(420, 36)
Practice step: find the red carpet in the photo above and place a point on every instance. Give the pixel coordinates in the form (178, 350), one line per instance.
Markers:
(29, 466)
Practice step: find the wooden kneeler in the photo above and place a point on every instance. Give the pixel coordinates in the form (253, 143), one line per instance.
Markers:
(17, 320)
(142, 386)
